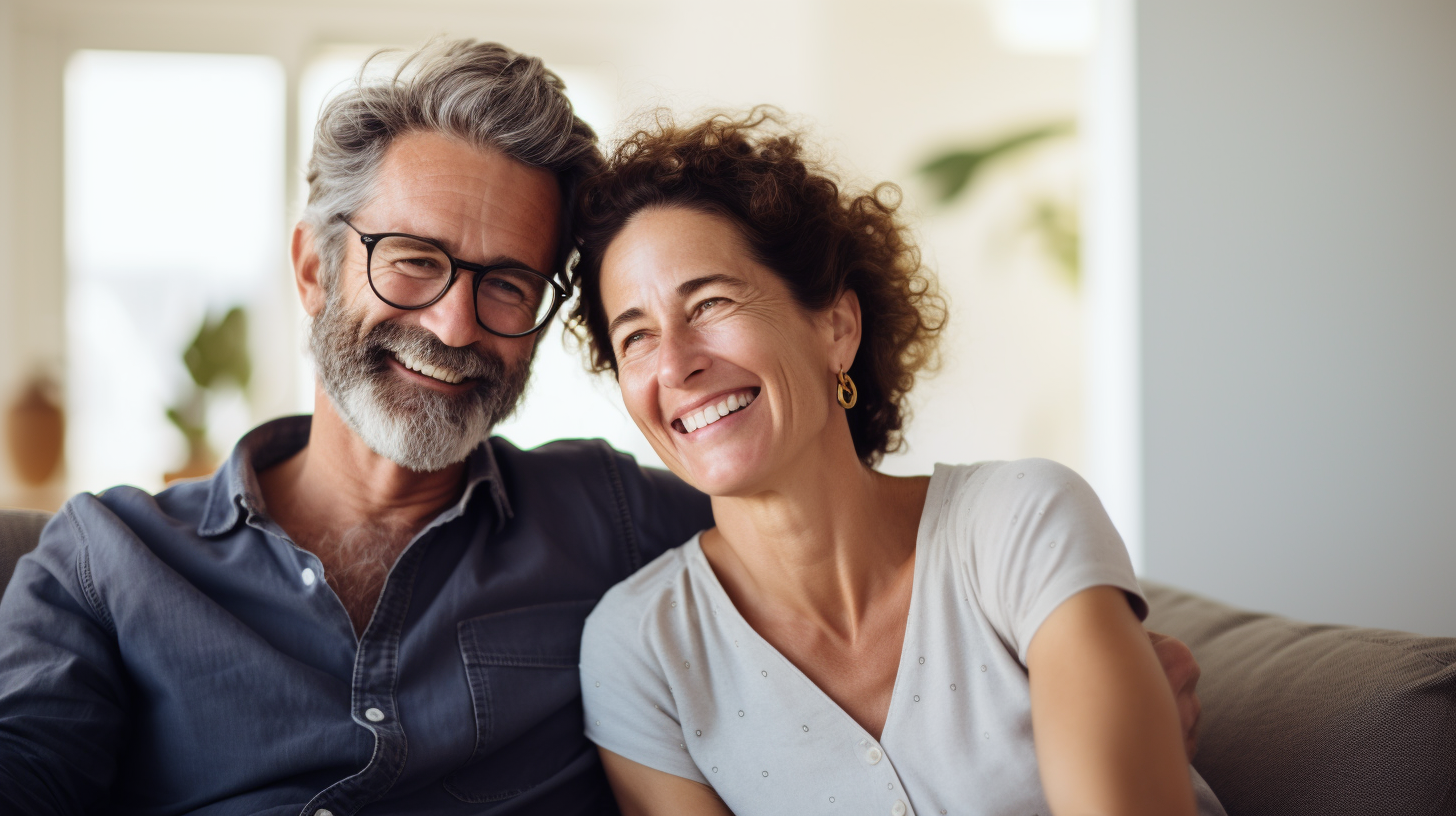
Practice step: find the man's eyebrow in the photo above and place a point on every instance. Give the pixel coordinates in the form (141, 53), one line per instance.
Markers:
(505, 260)
(625, 317)
(454, 252)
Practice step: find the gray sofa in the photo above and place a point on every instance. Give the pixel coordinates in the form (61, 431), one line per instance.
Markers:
(1303, 718)
(1298, 719)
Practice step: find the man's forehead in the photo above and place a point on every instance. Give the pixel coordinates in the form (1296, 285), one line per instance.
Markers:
(475, 200)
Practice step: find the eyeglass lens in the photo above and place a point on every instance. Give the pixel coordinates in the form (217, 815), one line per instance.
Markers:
(409, 272)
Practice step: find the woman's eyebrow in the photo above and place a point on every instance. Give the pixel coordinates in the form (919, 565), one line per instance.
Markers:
(688, 287)
(684, 289)
(625, 317)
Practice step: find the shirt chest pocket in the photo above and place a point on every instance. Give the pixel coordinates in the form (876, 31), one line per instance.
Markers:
(526, 695)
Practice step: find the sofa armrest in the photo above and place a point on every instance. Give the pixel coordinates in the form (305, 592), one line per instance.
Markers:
(1311, 719)
(19, 533)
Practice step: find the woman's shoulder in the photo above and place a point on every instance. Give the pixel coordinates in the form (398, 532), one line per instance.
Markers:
(1028, 534)
(998, 513)
(986, 486)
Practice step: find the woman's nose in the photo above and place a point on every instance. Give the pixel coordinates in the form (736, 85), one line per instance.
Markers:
(452, 317)
(680, 356)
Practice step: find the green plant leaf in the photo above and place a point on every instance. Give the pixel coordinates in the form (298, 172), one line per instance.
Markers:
(219, 352)
(956, 171)
(1055, 223)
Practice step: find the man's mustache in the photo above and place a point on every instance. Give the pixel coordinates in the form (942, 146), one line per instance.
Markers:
(422, 345)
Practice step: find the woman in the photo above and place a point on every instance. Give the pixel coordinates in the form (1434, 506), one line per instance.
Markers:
(843, 641)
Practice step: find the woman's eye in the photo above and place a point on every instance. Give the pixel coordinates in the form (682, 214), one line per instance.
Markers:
(632, 338)
(710, 303)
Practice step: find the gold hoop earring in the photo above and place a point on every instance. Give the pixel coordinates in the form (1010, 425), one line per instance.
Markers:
(846, 384)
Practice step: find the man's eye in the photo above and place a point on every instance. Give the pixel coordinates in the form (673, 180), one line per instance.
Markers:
(416, 267)
(504, 288)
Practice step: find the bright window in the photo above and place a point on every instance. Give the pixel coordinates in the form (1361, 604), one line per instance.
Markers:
(174, 211)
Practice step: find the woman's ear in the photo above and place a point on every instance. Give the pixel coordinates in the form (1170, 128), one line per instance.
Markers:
(844, 320)
(306, 269)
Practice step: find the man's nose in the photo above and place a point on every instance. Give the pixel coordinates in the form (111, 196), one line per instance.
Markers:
(680, 356)
(452, 317)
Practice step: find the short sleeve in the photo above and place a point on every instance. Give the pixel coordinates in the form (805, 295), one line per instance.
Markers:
(1034, 534)
(628, 703)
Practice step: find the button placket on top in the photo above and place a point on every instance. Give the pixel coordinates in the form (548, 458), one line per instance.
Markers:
(376, 674)
(887, 782)
(838, 729)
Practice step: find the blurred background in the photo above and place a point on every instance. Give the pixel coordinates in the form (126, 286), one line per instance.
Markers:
(1203, 253)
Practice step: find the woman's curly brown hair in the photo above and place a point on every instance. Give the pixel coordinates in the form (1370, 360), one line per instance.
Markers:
(821, 240)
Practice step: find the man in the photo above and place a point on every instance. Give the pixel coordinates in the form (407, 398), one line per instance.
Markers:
(369, 609)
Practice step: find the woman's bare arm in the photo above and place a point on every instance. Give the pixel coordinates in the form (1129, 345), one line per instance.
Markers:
(644, 791)
(1107, 733)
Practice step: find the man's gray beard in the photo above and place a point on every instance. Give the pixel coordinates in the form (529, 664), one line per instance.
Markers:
(411, 425)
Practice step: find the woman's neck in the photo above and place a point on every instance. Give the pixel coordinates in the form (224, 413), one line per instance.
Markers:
(823, 544)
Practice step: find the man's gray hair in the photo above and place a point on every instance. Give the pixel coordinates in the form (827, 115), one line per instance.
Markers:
(483, 93)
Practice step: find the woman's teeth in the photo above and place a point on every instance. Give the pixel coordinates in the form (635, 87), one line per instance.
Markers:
(436, 372)
(713, 413)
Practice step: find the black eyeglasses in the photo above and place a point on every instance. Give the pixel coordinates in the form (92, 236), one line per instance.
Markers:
(410, 272)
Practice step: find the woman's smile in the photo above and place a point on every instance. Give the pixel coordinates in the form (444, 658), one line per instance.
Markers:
(712, 410)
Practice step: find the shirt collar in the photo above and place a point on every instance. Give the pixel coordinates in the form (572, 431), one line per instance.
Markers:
(233, 489)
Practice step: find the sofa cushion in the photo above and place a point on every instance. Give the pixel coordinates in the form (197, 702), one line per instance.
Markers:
(19, 533)
(1311, 719)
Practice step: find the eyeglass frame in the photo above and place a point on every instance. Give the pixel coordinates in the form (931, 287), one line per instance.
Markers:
(371, 239)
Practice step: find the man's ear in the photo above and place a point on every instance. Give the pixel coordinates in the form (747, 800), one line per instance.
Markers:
(307, 268)
(845, 321)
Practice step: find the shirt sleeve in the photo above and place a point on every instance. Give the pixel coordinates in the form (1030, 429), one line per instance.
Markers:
(629, 705)
(1037, 535)
(63, 693)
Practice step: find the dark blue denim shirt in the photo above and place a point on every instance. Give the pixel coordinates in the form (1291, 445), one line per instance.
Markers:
(177, 653)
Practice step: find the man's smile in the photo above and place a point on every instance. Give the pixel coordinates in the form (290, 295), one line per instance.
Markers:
(435, 371)
(433, 381)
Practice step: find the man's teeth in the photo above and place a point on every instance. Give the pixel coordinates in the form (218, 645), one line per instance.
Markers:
(437, 372)
(713, 413)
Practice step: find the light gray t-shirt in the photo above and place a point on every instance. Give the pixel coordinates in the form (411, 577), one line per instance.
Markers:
(674, 678)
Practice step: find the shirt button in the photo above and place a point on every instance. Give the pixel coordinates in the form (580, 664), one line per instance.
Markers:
(323, 812)
(374, 715)
(897, 809)
(309, 576)
(874, 755)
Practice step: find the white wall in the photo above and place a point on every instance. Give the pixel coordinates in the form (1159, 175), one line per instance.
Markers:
(1298, 223)
(31, 258)
(1111, 354)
